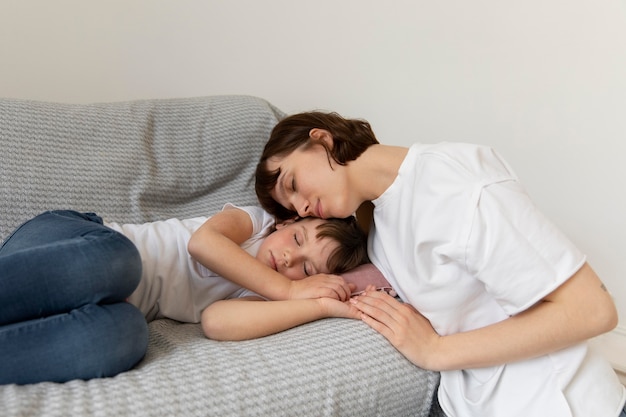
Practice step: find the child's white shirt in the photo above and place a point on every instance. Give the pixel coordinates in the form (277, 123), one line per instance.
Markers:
(173, 284)
(457, 237)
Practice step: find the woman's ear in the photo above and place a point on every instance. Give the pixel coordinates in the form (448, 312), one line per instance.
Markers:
(322, 135)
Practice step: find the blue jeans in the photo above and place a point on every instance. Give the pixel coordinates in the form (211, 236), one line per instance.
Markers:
(64, 279)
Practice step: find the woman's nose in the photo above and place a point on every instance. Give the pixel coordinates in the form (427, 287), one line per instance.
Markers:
(302, 207)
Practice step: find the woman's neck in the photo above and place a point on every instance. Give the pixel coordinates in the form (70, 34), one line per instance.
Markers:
(376, 169)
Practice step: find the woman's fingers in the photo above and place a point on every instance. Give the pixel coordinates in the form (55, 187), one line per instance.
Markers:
(378, 306)
(405, 328)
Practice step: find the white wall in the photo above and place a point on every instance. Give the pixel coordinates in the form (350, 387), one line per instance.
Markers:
(544, 81)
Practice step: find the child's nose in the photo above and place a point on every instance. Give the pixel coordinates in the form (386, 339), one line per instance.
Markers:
(291, 258)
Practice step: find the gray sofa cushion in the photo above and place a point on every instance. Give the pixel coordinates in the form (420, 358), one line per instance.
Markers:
(333, 367)
(131, 161)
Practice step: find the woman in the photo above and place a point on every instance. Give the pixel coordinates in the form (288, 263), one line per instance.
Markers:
(497, 299)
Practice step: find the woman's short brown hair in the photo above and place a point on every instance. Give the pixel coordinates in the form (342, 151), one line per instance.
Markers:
(351, 137)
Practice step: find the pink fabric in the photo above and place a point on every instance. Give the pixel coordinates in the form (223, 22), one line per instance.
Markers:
(366, 274)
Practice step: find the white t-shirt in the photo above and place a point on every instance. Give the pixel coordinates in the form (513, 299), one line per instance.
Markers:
(459, 239)
(173, 284)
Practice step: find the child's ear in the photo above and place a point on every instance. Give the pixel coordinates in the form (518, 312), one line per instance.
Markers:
(321, 135)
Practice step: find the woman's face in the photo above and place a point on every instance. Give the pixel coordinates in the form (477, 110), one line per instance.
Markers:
(295, 251)
(312, 184)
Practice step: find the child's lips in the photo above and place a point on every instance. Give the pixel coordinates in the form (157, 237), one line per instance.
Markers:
(273, 262)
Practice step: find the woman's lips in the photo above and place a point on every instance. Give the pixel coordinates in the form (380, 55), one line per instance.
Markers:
(318, 210)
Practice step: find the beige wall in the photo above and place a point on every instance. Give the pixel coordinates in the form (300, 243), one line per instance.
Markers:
(541, 80)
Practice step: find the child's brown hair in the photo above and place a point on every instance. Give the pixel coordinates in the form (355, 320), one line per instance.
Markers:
(352, 249)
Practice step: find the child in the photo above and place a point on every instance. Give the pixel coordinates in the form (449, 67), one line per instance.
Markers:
(498, 299)
(76, 293)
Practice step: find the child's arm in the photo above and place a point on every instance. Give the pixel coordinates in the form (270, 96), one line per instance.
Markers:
(252, 317)
(216, 245)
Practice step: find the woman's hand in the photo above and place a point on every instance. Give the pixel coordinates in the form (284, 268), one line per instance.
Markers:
(321, 285)
(405, 328)
(577, 310)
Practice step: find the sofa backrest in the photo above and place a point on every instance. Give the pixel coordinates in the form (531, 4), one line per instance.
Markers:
(133, 161)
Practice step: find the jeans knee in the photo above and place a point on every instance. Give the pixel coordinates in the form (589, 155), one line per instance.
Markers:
(124, 340)
(135, 331)
(117, 259)
(127, 261)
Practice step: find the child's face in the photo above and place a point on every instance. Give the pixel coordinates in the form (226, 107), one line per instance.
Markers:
(294, 251)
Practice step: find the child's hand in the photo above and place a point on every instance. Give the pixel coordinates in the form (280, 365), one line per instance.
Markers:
(341, 309)
(321, 285)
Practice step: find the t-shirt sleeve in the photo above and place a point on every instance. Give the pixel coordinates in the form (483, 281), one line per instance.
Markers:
(262, 221)
(243, 292)
(517, 253)
(262, 224)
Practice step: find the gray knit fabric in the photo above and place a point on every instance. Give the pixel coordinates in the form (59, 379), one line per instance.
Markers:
(133, 161)
(333, 367)
(145, 160)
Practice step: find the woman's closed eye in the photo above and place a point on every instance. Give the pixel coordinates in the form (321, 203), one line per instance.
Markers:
(289, 186)
(288, 189)
(293, 184)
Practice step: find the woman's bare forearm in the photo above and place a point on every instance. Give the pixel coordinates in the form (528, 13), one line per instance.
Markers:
(578, 310)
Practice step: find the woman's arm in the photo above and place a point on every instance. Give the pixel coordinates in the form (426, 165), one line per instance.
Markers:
(252, 317)
(579, 309)
(216, 245)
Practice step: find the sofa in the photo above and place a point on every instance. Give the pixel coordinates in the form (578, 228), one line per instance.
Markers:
(146, 160)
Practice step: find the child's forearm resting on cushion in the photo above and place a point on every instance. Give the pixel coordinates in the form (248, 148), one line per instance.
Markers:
(252, 317)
